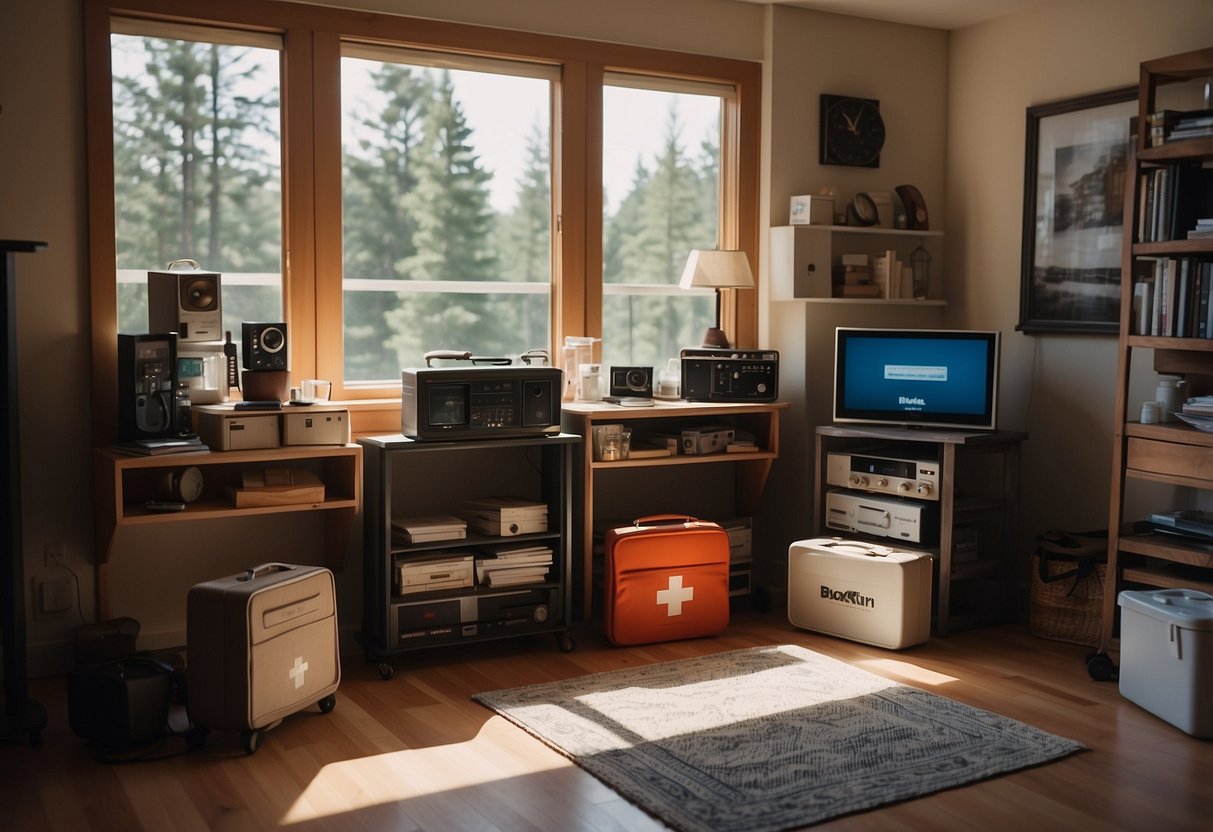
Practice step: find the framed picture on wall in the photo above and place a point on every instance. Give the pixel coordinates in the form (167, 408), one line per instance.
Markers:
(1073, 213)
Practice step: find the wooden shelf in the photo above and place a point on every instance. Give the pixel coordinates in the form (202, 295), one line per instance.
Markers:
(1169, 453)
(124, 482)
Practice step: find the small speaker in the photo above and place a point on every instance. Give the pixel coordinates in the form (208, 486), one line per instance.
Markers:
(538, 398)
(147, 381)
(185, 302)
(264, 346)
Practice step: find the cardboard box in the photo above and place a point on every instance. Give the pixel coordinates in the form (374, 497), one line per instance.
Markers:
(1166, 655)
(811, 210)
(315, 425)
(222, 428)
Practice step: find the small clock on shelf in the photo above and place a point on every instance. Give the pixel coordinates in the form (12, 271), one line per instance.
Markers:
(852, 131)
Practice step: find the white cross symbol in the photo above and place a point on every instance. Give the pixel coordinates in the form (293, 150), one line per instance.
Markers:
(296, 672)
(675, 595)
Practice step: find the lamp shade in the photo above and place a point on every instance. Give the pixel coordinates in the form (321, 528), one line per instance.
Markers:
(717, 269)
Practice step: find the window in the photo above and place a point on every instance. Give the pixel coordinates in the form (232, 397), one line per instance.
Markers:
(388, 185)
(447, 208)
(661, 199)
(197, 165)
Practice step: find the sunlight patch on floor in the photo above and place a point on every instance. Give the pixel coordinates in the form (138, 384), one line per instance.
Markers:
(905, 671)
(349, 785)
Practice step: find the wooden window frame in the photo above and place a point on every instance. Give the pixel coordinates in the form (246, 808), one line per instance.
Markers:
(311, 174)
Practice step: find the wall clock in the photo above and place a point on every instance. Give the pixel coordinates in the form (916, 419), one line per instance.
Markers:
(852, 131)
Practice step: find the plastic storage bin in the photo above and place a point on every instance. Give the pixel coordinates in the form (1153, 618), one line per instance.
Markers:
(860, 591)
(1166, 655)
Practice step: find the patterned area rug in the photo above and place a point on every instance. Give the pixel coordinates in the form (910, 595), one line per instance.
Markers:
(768, 738)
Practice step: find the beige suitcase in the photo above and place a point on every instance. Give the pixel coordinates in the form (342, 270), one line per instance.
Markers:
(260, 646)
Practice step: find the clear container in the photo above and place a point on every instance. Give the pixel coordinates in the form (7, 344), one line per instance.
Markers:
(669, 381)
(578, 350)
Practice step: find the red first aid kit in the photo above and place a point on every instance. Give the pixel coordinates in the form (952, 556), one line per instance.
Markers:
(667, 578)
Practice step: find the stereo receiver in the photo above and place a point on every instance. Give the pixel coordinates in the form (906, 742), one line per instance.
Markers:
(909, 520)
(479, 402)
(884, 473)
(722, 375)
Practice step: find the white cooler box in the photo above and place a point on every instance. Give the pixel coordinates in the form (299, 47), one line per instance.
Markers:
(860, 591)
(1166, 655)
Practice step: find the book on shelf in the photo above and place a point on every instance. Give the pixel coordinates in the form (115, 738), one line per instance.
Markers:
(1173, 297)
(1173, 200)
(167, 445)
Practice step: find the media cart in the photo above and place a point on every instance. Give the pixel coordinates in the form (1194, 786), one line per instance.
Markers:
(411, 478)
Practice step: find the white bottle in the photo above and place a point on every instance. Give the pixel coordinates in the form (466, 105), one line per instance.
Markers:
(1169, 396)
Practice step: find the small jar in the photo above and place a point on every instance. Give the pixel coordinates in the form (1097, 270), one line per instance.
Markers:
(1151, 413)
(1169, 396)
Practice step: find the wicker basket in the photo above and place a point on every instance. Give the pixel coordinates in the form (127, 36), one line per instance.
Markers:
(1068, 573)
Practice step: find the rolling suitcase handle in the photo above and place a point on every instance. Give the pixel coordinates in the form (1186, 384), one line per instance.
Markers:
(253, 572)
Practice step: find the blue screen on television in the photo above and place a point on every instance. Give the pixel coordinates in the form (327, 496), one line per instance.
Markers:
(916, 377)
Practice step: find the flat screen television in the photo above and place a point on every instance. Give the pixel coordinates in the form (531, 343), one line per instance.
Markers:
(916, 377)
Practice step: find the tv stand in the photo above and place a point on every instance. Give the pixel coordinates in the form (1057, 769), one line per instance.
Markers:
(978, 497)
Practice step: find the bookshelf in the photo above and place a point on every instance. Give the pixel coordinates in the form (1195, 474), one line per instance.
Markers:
(1155, 250)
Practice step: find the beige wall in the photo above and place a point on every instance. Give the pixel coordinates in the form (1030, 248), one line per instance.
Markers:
(1058, 387)
(955, 107)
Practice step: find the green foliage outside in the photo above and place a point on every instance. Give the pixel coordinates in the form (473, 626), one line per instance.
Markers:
(197, 175)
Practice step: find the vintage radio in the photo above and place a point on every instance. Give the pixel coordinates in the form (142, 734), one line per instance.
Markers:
(479, 402)
(723, 375)
(910, 520)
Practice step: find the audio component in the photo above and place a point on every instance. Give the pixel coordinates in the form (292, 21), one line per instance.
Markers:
(884, 472)
(910, 520)
(716, 375)
(479, 402)
(185, 302)
(481, 614)
(264, 346)
(147, 383)
(632, 381)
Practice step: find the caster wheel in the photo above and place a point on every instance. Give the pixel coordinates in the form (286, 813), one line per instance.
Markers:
(251, 740)
(1100, 667)
(328, 703)
(386, 671)
(566, 643)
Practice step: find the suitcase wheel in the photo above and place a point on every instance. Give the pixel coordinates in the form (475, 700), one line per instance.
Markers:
(328, 703)
(565, 643)
(251, 740)
(1100, 667)
(386, 671)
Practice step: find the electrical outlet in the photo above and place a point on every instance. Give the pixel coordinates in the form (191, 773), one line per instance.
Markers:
(56, 554)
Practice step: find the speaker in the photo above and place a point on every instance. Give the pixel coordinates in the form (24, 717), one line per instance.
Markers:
(147, 381)
(185, 302)
(538, 400)
(264, 346)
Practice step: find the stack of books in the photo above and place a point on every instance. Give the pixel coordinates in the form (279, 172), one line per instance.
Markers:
(506, 516)
(1176, 125)
(853, 278)
(154, 447)
(498, 566)
(429, 529)
(1203, 229)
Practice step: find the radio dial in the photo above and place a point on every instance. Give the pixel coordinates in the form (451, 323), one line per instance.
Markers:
(904, 487)
(924, 488)
(882, 482)
(858, 480)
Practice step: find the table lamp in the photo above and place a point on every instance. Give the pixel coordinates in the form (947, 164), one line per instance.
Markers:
(717, 270)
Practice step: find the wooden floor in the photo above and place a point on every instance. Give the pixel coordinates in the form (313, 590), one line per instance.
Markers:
(415, 753)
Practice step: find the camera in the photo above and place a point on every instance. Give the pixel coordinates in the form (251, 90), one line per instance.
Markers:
(632, 381)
